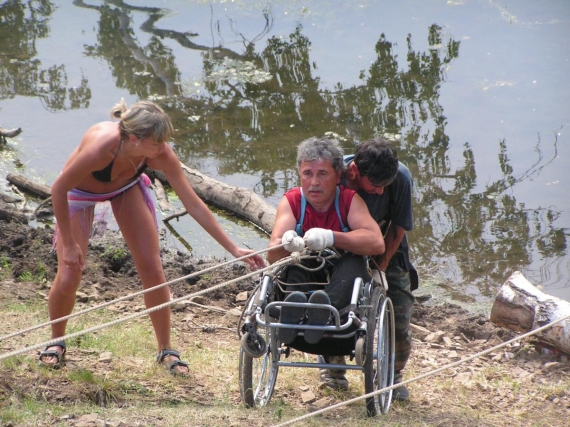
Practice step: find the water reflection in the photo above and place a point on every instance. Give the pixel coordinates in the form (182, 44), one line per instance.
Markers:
(21, 74)
(252, 107)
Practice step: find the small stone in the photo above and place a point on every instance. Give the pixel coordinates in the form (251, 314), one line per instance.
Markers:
(497, 357)
(521, 373)
(199, 300)
(434, 336)
(106, 357)
(179, 306)
(89, 418)
(81, 297)
(242, 296)
(308, 397)
(67, 417)
(322, 403)
(234, 312)
(549, 366)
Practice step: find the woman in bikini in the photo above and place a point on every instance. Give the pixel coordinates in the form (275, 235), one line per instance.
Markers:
(108, 165)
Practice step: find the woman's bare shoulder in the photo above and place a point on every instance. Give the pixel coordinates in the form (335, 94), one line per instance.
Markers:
(101, 136)
(166, 161)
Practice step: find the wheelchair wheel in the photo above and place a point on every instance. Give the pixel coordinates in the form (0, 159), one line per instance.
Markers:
(254, 345)
(257, 374)
(380, 348)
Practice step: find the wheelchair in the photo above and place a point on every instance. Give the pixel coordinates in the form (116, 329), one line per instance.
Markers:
(363, 331)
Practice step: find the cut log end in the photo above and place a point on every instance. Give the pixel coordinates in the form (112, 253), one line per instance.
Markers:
(521, 307)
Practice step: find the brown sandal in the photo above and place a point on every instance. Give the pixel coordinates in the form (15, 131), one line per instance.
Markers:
(170, 366)
(54, 353)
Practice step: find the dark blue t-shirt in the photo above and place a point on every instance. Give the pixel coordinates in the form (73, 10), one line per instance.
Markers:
(395, 205)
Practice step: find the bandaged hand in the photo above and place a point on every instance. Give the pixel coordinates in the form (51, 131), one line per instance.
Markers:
(292, 242)
(318, 239)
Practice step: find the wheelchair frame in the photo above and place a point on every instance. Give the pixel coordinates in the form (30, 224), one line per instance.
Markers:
(370, 315)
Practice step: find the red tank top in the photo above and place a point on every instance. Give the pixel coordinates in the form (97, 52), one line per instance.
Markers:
(328, 219)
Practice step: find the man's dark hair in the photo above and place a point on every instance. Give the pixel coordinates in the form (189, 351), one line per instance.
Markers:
(377, 160)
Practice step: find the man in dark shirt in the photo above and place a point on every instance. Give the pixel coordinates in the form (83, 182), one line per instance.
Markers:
(385, 184)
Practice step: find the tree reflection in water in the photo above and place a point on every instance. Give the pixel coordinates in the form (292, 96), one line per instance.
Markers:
(20, 72)
(255, 106)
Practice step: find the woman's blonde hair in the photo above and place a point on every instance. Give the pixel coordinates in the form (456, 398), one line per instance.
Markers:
(142, 120)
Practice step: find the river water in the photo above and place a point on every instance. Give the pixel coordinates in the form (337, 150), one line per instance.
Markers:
(473, 92)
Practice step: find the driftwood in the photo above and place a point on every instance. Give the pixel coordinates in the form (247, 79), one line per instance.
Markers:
(9, 133)
(521, 307)
(40, 190)
(243, 202)
(175, 215)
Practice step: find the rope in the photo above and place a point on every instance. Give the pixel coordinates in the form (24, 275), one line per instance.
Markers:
(294, 258)
(130, 296)
(144, 312)
(420, 377)
(208, 327)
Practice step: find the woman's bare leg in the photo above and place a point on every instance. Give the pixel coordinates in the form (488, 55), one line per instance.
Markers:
(61, 299)
(137, 226)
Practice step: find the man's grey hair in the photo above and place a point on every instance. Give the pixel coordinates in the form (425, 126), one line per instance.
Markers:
(314, 148)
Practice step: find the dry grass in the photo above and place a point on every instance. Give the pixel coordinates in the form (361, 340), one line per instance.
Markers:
(511, 387)
(132, 390)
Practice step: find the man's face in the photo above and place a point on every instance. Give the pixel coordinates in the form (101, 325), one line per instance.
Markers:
(319, 181)
(370, 188)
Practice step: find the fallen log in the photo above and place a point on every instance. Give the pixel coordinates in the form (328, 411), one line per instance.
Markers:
(40, 190)
(243, 202)
(9, 133)
(521, 307)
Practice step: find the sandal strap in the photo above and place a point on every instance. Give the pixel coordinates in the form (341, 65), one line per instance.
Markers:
(166, 352)
(177, 362)
(58, 344)
(47, 352)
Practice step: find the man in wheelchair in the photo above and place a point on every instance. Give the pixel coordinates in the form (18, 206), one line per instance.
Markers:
(318, 215)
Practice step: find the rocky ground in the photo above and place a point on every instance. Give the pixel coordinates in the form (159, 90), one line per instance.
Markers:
(443, 334)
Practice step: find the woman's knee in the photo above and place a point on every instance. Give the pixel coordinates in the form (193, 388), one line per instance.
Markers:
(66, 283)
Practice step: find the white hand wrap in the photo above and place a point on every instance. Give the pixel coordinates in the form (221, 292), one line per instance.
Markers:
(292, 242)
(318, 239)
